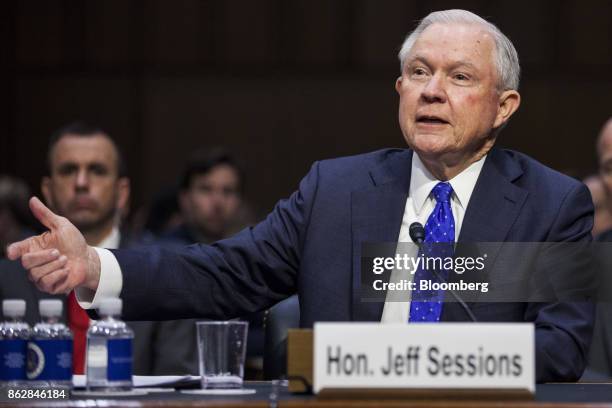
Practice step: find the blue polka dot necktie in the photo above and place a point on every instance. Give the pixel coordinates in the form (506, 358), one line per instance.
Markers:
(426, 305)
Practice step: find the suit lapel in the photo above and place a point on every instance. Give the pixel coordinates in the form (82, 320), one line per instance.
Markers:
(376, 217)
(493, 208)
(495, 202)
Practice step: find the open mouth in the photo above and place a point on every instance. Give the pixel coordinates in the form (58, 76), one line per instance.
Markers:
(431, 120)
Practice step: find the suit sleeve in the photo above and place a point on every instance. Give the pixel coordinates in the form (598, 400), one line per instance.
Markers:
(240, 275)
(564, 330)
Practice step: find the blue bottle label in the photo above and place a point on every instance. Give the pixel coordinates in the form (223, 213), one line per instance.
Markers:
(13, 359)
(50, 359)
(119, 360)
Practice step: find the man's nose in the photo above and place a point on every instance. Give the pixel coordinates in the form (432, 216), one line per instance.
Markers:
(218, 197)
(82, 180)
(434, 90)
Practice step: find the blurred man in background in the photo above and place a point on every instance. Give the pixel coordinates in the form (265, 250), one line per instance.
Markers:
(210, 198)
(211, 205)
(603, 215)
(604, 155)
(600, 362)
(600, 185)
(87, 183)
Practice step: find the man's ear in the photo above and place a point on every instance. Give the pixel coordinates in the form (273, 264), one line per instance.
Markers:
(45, 187)
(398, 84)
(123, 194)
(509, 102)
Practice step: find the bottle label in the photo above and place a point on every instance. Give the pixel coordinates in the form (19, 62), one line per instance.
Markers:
(119, 360)
(13, 359)
(97, 355)
(50, 359)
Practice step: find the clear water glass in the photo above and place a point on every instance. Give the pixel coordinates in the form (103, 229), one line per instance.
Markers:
(222, 353)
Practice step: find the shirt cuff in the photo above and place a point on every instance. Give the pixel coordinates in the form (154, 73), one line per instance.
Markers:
(110, 285)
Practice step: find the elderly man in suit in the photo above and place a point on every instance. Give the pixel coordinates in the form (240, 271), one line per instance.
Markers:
(458, 88)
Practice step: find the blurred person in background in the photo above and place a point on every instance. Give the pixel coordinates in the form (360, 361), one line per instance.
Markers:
(600, 361)
(209, 198)
(86, 182)
(212, 208)
(603, 215)
(604, 156)
(600, 185)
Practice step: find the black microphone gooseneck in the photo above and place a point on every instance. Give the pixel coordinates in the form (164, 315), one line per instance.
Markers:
(417, 234)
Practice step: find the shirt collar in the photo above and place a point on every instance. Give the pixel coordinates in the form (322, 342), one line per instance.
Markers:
(422, 182)
(112, 240)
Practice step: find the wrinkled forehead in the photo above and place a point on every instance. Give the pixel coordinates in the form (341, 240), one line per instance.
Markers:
(84, 150)
(473, 43)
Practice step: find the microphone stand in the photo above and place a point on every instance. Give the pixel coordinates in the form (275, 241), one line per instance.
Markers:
(417, 234)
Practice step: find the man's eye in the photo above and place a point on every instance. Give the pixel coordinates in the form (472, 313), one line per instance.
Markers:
(418, 71)
(66, 170)
(461, 77)
(229, 192)
(98, 169)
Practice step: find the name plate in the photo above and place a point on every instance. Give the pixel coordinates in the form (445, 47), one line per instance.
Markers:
(449, 356)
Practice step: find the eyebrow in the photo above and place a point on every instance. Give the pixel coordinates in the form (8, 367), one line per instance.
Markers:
(460, 63)
(91, 165)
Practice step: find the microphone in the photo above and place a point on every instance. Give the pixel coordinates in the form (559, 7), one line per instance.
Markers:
(417, 234)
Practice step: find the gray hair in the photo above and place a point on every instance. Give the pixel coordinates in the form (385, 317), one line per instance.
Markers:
(506, 57)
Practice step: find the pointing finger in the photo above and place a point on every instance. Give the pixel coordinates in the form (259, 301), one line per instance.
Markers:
(43, 214)
(17, 249)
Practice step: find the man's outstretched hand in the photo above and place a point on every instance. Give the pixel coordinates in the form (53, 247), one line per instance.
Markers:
(58, 260)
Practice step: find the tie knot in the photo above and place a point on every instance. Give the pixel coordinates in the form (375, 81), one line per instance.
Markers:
(442, 192)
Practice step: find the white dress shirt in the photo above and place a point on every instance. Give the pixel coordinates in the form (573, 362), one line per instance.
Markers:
(419, 205)
(110, 283)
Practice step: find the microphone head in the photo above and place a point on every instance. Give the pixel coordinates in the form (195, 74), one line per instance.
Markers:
(417, 232)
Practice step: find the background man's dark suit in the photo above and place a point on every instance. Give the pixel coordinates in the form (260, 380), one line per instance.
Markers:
(600, 359)
(311, 243)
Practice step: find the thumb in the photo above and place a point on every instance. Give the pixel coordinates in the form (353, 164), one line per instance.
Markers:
(17, 250)
(43, 214)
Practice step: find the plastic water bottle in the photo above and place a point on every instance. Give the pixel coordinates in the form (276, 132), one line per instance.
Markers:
(50, 348)
(109, 350)
(14, 336)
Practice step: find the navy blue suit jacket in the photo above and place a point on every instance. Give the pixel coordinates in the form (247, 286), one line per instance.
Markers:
(310, 244)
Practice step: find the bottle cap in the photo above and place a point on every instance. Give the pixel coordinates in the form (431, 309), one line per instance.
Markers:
(110, 306)
(13, 307)
(50, 307)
